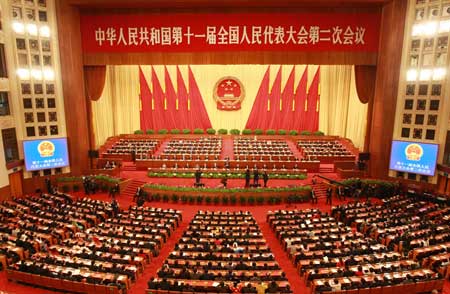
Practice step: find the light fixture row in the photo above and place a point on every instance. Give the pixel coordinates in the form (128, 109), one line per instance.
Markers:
(436, 74)
(46, 74)
(31, 28)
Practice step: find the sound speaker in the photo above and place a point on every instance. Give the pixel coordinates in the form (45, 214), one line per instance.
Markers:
(93, 153)
(364, 156)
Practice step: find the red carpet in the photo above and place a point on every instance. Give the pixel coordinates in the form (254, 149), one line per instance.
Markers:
(188, 211)
(227, 148)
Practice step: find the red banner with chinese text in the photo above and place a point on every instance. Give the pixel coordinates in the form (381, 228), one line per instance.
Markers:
(230, 32)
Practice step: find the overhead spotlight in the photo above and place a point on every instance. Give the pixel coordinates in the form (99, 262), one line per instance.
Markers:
(18, 27)
(44, 31)
(23, 73)
(411, 75)
(36, 74)
(439, 74)
(424, 29)
(444, 26)
(32, 29)
(425, 74)
(49, 74)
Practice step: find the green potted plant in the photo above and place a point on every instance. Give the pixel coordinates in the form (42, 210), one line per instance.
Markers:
(150, 132)
(175, 131)
(260, 200)
(223, 131)
(242, 200)
(157, 197)
(282, 132)
(186, 131)
(76, 187)
(319, 133)
(235, 132)
(191, 199)
(293, 132)
(199, 199)
(175, 198)
(198, 131)
(246, 132)
(165, 198)
(163, 131)
(211, 131)
(233, 199)
(216, 200)
(305, 133)
(138, 132)
(251, 200)
(270, 132)
(65, 188)
(258, 132)
(208, 200)
(225, 200)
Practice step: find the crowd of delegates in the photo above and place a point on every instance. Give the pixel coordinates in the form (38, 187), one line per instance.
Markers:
(418, 229)
(198, 149)
(315, 149)
(82, 241)
(221, 252)
(141, 148)
(333, 256)
(255, 149)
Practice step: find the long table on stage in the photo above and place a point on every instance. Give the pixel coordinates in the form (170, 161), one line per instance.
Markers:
(309, 166)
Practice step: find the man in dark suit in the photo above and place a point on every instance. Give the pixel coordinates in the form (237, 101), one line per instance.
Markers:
(247, 178)
(255, 177)
(265, 178)
(48, 185)
(329, 195)
(198, 177)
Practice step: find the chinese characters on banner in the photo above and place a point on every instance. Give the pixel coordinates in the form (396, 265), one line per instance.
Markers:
(230, 32)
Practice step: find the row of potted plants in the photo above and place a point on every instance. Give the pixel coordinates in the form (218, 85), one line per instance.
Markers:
(211, 131)
(219, 175)
(68, 184)
(229, 199)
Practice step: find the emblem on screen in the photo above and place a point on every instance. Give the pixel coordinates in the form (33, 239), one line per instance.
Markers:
(46, 148)
(229, 93)
(413, 152)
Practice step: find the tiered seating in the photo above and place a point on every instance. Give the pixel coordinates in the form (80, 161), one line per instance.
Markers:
(323, 151)
(248, 149)
(143, 148)
(333, 257)
(205, 148)
(105, 255)
(219, 252)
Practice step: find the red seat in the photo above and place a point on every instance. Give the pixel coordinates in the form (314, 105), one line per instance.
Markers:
(90, 288)
(101, 289)
(364, 291)
(438, 285)
(409, 288)
(376, 290)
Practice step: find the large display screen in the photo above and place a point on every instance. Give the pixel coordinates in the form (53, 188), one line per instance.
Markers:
(45, 154)
(414, 157)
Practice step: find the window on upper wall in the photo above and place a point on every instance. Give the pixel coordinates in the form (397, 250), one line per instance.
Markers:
(3, 70)
(4, 104)
(10, 144)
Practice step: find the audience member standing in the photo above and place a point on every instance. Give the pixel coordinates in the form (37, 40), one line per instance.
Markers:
(255, 177)
(265, 178)
(247, 178)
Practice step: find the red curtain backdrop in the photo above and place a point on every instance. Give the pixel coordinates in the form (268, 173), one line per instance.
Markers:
(259, 109)
(94, 77)
(170, 111)
(312, 114)
(197, 110)
(299, 120)
(287, 102)
(145, 103)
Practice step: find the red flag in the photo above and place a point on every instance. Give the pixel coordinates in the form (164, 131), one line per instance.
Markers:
(145, 103)
(312, 113)
(260, 105)
(182, 113)
(170, 102)
(287, 103)
(198, 112)
(159, 121)
(274, 115)
(299, 120)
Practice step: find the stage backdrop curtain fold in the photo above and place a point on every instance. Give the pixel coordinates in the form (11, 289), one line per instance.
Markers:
(273, 118)
(182, 113)
(313, 104)
(341, 112)
(117, 110)
(158, 118)
(170, 103)
(94, 79)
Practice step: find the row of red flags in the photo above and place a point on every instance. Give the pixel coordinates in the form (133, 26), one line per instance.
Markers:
(272, 109)
(183, 108)
(287, 109)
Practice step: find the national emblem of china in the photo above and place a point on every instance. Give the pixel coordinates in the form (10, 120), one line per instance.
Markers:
(229, 93)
